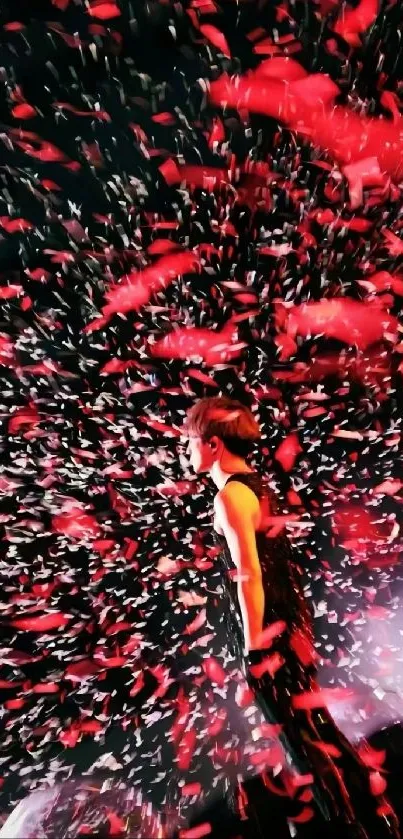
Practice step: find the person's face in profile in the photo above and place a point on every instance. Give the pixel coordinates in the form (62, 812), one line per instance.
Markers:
(200, 454)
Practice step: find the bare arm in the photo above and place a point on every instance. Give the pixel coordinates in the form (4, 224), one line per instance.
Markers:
(236, 508)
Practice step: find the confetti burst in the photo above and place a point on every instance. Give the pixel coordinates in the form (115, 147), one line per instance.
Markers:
(191, 204)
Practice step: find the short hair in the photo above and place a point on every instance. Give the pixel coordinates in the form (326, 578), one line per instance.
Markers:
(226, 418)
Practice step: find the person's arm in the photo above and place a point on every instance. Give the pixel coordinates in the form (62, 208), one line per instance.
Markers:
(236, 508)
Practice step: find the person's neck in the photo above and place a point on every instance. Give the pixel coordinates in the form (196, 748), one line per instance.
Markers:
(220, 472)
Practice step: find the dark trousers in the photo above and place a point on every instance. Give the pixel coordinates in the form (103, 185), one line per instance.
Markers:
(341, 797)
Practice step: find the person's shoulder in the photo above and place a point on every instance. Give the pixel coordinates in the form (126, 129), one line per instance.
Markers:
(236, 496)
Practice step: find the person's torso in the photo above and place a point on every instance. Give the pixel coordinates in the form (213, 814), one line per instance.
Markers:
(281, 577)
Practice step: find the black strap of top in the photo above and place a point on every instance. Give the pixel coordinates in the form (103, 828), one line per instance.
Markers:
(242, 476)
(257, 484)
(250, 479)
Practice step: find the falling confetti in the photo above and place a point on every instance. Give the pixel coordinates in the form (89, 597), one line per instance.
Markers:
(195, 199)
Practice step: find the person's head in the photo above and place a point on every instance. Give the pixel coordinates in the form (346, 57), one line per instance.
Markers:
(219, 430)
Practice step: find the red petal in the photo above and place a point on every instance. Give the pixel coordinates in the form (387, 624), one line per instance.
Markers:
(104, 11)
(23, 111)
(196, 832)
(378, 783)
(305, 816)
(288, 451)
(197, 623)
(191, 789)
(215, 37)
(41, 623)
(214, 671)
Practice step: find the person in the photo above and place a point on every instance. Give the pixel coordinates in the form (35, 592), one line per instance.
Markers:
(274, 631)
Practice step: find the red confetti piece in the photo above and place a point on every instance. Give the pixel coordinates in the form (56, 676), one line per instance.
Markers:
(42, 623)
(377, 783)
(196, 832)
(76, 525)
(373, 758)
(217, 724)
(355, 524)
(386, 810)
(162, 246)
(14, 26)
(346, 319)
(49, 687)
(354, 21)
(103, 115)
(15, 225)
(191, 789)
(137, 288)
(185, 750)
(321, 698)
(288, 451)
(216, 38)
(197, 623)
(270, 665)
(269, 730)
(70, 737)
(217, 133)
(104, 11)
(362, 174)
(14, 704)
(169, 430)
(110, 661)
(202, 377)
(164, 119)
(273, 788)
(395, 245)
(287, 346)
(328, 749)
(24, 111)
(299, 781)
(314, 412)
(47, 152)
(7, 292)
(138, 685)
(170, 172)
(281, 68)
(69, 440)
(265, 638)
(59, 257)
(244, 696)
(180, 488)
(390, 101)
(214, 671)
(347, 136)
(195, 343)
(61, 4)
(305, 816)
(303, 647)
